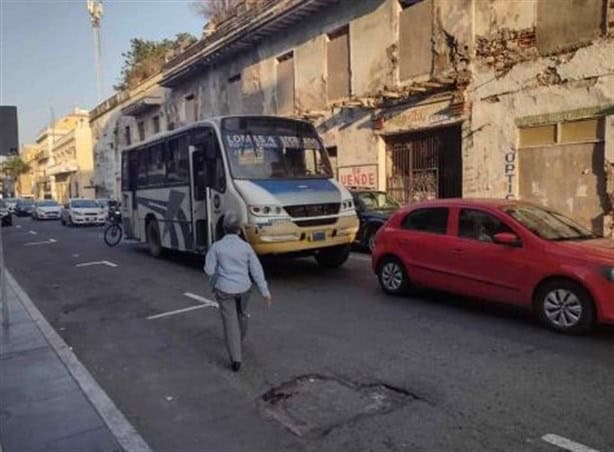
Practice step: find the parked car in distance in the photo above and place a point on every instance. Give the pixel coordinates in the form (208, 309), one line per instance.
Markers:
(6, 218)
(507, 251)
(10, 204)
(82, 211)
(24, 207)
(373, 209)
(47, 209)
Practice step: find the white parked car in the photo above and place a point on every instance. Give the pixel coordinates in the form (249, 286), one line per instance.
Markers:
(82, 211)
(47, 209)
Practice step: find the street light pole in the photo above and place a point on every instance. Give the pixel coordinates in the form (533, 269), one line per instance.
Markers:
(94, 7)
(3, 294)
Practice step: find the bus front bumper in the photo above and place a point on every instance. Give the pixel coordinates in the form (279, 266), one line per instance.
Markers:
(283, 237)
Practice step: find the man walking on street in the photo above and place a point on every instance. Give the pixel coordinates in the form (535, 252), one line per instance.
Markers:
(230, 263)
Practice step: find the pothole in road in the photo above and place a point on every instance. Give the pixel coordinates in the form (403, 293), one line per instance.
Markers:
(315, 404)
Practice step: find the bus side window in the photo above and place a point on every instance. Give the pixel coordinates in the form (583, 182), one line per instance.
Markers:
(143, 161)
(176, 158)
(219, 176)
(198, 165)
(214, 165)
(125, 171)
(155, 167)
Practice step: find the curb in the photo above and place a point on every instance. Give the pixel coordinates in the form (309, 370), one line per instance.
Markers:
(125, 434)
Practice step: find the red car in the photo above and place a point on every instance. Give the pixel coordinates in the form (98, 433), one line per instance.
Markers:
(508, 251)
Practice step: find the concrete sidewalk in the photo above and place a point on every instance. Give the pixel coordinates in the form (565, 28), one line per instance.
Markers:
(48, 400)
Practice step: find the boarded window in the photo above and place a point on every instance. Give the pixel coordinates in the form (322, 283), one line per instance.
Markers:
(234, 94)
(338, 63)
(141, 127)
(190, 108)
(285, 84)
(571, 23)
(332, 156)
(415, 34)
(127, 136)
(537, 136)
(581, 131)
(156, 124)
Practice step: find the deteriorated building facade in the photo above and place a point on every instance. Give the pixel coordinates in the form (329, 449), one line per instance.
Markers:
(421, 98)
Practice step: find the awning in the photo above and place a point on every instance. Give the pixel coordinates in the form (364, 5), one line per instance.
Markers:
(61, 168)
(245, 32)
(142, 106)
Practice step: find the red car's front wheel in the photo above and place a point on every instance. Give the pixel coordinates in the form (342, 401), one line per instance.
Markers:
(392, 276)
(565, 306)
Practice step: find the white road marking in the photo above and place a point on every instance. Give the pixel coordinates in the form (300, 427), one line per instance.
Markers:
(203, 300)
(360, 257)
(204, 303)
(177, 311)
(18, 226)
(32, 232)
(44, 242)
(566, 444)
(87, 264)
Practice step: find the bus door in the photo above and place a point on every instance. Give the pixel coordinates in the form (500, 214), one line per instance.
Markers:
(207, 185)
(128, 190)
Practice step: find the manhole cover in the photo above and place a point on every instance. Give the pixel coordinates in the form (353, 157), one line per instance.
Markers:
(317, 404)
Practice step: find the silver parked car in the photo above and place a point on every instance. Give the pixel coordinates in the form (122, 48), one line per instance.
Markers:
(47, 209)
(82, 211)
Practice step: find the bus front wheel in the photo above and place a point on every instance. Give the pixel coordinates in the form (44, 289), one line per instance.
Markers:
(153, 239)
(333, 257)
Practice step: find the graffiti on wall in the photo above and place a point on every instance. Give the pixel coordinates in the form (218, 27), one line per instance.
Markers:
(510, 173)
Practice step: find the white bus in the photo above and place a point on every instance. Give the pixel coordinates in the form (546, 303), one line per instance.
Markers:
(274, 172)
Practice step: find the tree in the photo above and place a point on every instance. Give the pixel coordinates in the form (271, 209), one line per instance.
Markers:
(146, 58)
(13, 168)
(214, 11)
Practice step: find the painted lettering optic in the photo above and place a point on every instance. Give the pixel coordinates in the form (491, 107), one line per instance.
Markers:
(510, 173)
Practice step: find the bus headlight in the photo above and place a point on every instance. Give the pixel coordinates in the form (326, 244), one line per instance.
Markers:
(266, 211)
(346, 205)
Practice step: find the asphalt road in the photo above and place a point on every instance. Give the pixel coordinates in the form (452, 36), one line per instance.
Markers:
(469, 376)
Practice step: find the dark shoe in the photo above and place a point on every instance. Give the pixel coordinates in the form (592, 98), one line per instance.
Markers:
(236, 365)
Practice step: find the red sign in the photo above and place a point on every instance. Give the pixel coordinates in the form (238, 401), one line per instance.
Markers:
(359, 176)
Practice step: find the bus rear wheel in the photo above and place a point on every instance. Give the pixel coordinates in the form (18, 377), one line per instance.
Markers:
(333, 257)
(153, 239)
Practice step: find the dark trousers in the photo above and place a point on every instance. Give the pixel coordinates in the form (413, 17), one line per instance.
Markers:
(233, 309)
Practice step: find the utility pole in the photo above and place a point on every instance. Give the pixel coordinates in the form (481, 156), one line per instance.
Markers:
(94, 7)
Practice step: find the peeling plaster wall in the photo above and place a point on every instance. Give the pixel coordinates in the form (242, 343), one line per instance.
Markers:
(550, 85)
(370, 41)
(493, 15)
(108, 137)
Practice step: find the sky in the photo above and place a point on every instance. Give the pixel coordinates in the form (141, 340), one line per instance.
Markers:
(47, 51)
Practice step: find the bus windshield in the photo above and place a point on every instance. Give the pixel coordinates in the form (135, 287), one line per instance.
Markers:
(274, 148)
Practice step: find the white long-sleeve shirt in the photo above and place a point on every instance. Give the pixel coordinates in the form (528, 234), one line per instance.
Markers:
(230, 262)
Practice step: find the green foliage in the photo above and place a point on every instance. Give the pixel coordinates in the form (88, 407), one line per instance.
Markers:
(214, 10)
(146, 58)
(15, 167)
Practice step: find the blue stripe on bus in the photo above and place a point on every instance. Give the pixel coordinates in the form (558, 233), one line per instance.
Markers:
(293, 186)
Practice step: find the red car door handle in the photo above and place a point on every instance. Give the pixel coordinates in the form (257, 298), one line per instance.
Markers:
(457, 250)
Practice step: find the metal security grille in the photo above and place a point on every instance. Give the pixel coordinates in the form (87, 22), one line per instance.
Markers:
(313, 210)
(424, 165)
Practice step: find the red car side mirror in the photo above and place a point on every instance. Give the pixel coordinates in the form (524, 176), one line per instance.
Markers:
(508, 239)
